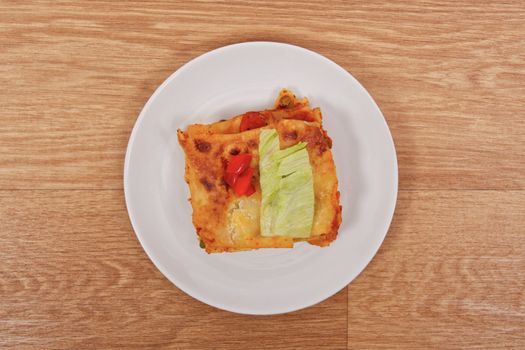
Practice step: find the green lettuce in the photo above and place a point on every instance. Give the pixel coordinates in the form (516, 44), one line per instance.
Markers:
(287, 207)
(269, 179)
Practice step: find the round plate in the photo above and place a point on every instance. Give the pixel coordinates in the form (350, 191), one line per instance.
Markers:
(226, 82)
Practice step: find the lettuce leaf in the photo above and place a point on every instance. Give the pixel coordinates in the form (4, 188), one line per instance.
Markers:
(286, 178)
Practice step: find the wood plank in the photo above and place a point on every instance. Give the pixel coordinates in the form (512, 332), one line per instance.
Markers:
(449, 275)
(448, 77)
(73, 276)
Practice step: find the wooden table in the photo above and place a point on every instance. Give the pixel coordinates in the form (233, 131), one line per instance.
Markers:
(450, 79)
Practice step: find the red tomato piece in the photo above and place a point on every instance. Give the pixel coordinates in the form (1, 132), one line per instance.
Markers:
(243, 182)
(252, 120)
(251, 190)
(239, 163)
(230, 179)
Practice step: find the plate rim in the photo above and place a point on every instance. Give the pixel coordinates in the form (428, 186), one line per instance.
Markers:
(138, 122)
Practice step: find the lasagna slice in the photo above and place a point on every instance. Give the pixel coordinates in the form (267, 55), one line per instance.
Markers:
(228, 219)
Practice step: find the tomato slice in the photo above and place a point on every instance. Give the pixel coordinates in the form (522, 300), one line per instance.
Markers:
(243, 182)
(239, 174)
(252, 120)
(251, 190)
(230, 179)
(239, 163)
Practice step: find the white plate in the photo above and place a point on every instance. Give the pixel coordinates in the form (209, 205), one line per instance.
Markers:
(230, 81)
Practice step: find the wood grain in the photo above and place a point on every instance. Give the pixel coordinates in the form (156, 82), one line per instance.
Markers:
(449, 275)
(449, 78)
(73, 276)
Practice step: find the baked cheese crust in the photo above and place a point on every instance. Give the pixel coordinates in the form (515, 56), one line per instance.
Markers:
(287, 106)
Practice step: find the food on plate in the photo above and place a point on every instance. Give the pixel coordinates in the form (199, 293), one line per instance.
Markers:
(263, 179)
